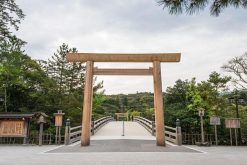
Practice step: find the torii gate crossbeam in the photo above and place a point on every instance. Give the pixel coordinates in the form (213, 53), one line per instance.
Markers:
(155, 58)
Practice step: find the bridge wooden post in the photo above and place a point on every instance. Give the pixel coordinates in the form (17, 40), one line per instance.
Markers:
(158, 104)
(87, 105)
(67, 133)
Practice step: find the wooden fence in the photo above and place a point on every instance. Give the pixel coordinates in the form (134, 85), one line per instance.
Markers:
(192, 139)
(48, 138)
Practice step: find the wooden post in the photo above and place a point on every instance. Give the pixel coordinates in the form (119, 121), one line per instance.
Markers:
(158, 105)
(92, 125)
(25, 139)
(231, 136)
(59, 135)
(67, 133)
(178, 132)
(87, 105)
(153, 128)
(236, 137)
(41, 126)
(216, 137)
(56, 134)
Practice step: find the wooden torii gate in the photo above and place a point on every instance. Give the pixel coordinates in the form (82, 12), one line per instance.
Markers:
(155, 58)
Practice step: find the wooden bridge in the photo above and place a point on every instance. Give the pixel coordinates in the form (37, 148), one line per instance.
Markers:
(108, 129)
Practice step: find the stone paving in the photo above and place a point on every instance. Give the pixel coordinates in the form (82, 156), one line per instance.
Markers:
(34, 155)
(137, 147)
(121, 145)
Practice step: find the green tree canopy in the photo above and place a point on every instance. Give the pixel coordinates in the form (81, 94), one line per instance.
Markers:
(22, 82)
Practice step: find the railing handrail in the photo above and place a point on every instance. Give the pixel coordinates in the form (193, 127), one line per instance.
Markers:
(74, 128)
(100, 122)
(73, 134)
(171, 128)
(172, 134)
(148, 121)
(148, 124)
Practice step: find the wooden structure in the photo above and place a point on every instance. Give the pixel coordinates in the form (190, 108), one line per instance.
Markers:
(58, 125)
(235, 124)
(122, 115)
(16, 125)
(173, 135)
(73, 134)
(41, 121)
(155, 71)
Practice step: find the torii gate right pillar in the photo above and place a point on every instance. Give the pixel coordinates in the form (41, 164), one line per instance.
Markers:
(158, 104)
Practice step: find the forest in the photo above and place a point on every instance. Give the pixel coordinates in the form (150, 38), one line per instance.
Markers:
(32, 85)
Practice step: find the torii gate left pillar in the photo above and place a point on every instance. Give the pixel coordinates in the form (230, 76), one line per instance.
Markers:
(87, 105)
(156, 58)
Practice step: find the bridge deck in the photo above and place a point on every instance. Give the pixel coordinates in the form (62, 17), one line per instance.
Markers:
(109, 139)
(114, 130)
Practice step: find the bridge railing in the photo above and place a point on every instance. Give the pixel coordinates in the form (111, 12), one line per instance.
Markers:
(148, 124)
(97, 124)
(172, 134)
(73, 134)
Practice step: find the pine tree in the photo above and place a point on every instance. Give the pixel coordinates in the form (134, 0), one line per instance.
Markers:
(69, 78)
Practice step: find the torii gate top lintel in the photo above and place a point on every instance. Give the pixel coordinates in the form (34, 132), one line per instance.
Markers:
(123, 57)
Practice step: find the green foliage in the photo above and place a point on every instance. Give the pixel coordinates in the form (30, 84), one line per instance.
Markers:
(98, 100)
(30, 86)
(10, 17)
(135, 113)
(193, 95)
(149, 113)
(185, 97)
(218, 82)
(69, 79)
(177, 101)
(22, 82)
(194, 6)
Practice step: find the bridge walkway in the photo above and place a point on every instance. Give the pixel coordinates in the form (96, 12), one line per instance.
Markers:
(114, 130)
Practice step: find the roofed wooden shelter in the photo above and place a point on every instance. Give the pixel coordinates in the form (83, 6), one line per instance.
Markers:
(16, 124)
(155, 58)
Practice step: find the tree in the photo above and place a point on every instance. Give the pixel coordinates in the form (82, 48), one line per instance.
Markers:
(238, 67)
(23, 82)
(10, 17)
(98, 99)
(69, 79)
(69, 76)
(194, 96)
(193, 6)
(184, 98)
(218, 82)
(176, 106)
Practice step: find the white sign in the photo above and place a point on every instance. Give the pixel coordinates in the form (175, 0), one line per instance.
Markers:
(214, 120)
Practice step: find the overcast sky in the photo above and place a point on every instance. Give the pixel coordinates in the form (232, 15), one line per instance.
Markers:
(137, 26)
